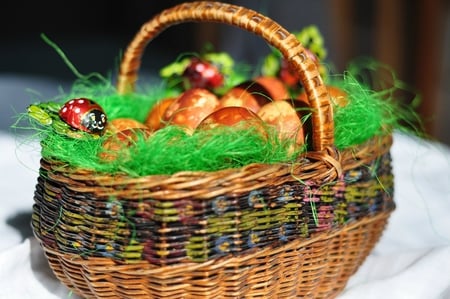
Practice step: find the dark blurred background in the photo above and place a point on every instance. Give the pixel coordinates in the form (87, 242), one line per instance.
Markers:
(412, 36)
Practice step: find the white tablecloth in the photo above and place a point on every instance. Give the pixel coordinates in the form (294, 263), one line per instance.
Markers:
(411, 261)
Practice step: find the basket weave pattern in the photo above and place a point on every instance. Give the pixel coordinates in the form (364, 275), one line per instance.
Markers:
(261, 231)
(85, 217)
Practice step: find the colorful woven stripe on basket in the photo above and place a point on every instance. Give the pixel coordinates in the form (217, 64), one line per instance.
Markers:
(188, 229)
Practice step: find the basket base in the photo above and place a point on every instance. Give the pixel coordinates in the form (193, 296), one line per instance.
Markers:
(318, 267)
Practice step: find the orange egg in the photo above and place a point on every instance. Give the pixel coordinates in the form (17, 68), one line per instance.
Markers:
(234, 116)
(117, 144)
(155, 116)
(338, 96)
(121, 133)
(120, 124)
(283, 116)
(191, 107)
(239, 97)
(275, 88)
(228, 116)
(255, 93)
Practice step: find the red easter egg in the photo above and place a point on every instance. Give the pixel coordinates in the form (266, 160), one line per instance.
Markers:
(202, 74)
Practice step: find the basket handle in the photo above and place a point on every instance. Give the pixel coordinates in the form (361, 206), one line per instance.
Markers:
(254, 22)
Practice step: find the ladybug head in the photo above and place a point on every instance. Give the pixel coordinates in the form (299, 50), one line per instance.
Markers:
(94, 121)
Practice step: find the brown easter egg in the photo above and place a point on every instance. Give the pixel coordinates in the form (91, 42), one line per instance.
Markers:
(191, 107)
(229, 116)
(239, 97)
(275, 88)
(234, 116)
(154, 119)
(118, 143)
(122, 133)
(283, 116)
(255, 93)
(120, 124)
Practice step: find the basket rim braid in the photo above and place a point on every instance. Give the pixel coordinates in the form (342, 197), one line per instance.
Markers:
(282, 230)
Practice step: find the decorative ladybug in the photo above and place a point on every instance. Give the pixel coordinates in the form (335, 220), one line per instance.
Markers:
(202, 74)
(85, 115)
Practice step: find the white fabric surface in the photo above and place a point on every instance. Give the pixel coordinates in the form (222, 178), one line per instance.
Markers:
(411, 261)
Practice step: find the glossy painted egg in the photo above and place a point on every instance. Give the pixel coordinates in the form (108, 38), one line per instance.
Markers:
(120, 124)
(255, 93)
(154, 119)
(338, 96)
(274, 87)
(120, 134)
(283, 116)
(230, 116)
(84, 114)
(240, 118)
(202, 74)
(191, 107)
(239, 96)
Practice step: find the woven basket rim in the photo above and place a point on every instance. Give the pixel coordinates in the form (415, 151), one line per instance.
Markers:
(321, 167)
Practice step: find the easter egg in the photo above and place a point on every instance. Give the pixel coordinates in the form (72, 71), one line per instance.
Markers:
(120, 124)
(285, 120)
(239, 96)
(120, 134)
(236, 117)
(190, 108)
(255, 93)
(274, 87)
(229, 116)
(202, 74)
(156, 114)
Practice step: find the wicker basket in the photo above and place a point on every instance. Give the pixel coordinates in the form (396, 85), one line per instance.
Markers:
(261, 231)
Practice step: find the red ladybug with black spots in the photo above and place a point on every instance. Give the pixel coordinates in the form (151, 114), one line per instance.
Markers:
(85, 115)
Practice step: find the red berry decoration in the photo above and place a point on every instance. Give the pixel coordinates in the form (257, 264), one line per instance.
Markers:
(202, 74)
(85, 115)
